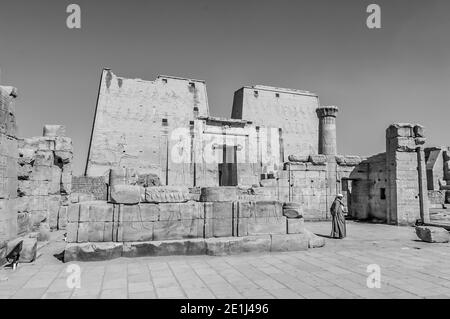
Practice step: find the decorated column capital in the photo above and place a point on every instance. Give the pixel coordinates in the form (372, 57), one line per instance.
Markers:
(327, 111)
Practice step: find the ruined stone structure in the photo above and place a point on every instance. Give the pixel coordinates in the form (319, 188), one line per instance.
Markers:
(165, 177)
(392, 186)
(8, 166)
(45, 178)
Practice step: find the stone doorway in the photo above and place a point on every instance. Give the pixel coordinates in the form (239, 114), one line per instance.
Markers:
(228, 169)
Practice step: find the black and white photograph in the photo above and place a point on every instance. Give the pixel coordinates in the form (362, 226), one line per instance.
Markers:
(224, 154)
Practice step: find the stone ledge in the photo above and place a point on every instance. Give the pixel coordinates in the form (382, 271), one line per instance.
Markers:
(211, 246)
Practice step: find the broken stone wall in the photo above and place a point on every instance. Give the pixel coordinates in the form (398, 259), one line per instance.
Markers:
(95, 186)
(407, 198)
(134, 122)
(293, 111)
(368, 181)
(44, 178)
(8, 167)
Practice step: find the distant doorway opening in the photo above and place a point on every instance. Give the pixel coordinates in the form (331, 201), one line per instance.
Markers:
(228, 169)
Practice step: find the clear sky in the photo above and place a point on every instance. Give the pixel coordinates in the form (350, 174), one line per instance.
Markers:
(399, 73)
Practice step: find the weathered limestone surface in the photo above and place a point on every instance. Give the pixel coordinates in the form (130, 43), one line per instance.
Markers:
(122, 135)
(432, 234)
(210, 246)
(8, 165)
(44, 168)
(368, 200)
(94, 186)
(407, 199)
(293, 111)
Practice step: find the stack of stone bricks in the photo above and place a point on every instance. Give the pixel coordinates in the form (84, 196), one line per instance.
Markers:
(45, 177)
(8, 166)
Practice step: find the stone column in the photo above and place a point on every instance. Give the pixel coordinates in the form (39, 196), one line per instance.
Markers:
(327, 129)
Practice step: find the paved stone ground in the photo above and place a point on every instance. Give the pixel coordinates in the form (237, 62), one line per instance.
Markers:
(409, 269)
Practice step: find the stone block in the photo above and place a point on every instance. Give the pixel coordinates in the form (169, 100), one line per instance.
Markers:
(165, 248)
(178, 211)
(261, 226)
(167, 194)
(219, 194)
(53, 210)
(123, 176)
(125, 194)
(260, 209)
(136, 231)
(298, 158)
(142, 212)
(72, 232)
(295, 225)
(24, 223)
(42, 173)
(96, 211)
(62, 217)
(73, 213)
(399, 130)
(432, 234)
(292, 210)
(252, 244)
(217, 210)
(317, 159)
(92, 251)
(63, 144)
(293, 242)
(219, 227)
(32, 188)
(236, 245)
(181, 229)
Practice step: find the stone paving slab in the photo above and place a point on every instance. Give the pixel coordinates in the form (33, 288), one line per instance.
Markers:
(409, 269)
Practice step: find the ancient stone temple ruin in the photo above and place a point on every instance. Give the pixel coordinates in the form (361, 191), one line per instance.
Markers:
(165, 177)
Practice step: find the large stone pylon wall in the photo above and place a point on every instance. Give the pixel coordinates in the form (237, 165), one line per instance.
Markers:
(293, 111)
(8, 165)
(134, 120)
